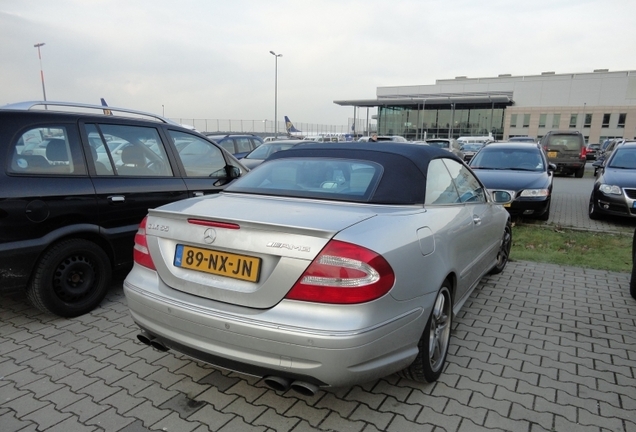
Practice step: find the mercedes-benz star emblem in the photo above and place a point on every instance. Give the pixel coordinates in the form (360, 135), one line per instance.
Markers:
(209, 236)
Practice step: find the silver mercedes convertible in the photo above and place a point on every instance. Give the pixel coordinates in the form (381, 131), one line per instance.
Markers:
(327, 265)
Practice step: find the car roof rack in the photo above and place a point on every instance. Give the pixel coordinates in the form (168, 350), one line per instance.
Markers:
(105, 110)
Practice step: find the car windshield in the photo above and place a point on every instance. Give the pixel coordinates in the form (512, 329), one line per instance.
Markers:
(624, 158)
(263, 151)
(508, 159)
(322, 178)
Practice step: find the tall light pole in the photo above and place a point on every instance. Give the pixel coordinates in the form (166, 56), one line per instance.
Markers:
(38, 45)
(276, 92)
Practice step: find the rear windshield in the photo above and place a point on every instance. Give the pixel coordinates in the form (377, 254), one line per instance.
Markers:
(322, 178)
(565, 142)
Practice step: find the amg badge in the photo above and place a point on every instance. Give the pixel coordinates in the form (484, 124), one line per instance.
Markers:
(288, 246)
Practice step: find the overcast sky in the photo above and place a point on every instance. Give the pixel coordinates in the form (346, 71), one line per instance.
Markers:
(210, 58)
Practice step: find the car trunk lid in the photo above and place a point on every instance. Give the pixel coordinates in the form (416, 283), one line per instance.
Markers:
(243, 250)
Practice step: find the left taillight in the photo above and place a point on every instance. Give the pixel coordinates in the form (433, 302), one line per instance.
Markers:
(344, 273)
(141, 254)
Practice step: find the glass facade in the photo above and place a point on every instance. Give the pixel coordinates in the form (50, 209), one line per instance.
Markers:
(420, 122)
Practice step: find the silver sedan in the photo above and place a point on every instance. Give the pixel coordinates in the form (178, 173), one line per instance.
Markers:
(325, 266)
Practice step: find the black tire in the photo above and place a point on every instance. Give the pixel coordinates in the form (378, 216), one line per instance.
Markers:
(592, 210)
(70, 279)
(434, 342)
(632, 282)
(545, 216)
(504, 250)
(579, 173)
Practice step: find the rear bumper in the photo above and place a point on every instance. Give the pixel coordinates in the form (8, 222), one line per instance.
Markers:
(247, 341)
(568, 166)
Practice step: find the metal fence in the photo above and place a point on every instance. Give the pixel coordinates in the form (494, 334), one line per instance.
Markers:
(267, 127)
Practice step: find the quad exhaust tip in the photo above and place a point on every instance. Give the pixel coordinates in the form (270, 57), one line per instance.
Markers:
(276, 383)
(283, 384)
(144, 338)
(149, 340)
(304, 388)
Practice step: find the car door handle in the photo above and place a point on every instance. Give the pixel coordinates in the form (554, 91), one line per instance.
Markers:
(117, 198)
(197, 194)
(476, 220)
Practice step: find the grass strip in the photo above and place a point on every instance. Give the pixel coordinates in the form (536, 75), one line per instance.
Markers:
(602, 251)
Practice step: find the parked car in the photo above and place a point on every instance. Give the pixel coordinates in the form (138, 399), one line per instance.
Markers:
(395, 138)
(469, 150)
(276, 138)
(522, 139)
(262, 152)
(449, 144)
(604, 153)
(483, 140)
(237, 144)
(592, 151)
(319, 268)
(566, 150)
(614, 191)
(70, 212)
(521, 168)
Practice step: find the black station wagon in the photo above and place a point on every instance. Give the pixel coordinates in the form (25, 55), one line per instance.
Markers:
(75, 183)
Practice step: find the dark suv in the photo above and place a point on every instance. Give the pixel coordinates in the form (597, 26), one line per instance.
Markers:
(566, 150)
(237, 144)
(76, 182)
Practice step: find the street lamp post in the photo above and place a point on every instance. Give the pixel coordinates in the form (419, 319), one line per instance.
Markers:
(276, 92)
(38, 45)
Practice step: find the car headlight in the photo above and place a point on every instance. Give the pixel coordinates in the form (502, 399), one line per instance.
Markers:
(610, 189)
(535, 193)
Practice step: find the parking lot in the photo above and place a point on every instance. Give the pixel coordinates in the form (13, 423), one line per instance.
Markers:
(536, 348)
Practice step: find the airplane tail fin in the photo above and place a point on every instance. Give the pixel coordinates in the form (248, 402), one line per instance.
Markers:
(106, 111)
(290, 126)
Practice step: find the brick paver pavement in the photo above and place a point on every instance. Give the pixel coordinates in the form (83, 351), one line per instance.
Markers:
(536, 348)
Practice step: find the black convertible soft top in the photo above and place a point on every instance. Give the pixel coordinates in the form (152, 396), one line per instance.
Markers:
(405, 165)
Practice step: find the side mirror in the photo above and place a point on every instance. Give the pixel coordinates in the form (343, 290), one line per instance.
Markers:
(226, 175)
(233, 172)
(552, 167)
(502, 196)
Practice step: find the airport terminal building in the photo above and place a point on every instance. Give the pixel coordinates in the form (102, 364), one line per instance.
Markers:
(600, 104)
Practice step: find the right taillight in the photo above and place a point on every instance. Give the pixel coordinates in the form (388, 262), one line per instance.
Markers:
(344, 273)
(141, 254)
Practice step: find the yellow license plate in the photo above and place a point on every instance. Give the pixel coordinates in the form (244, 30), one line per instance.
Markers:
(219, 263)
(552, 154)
